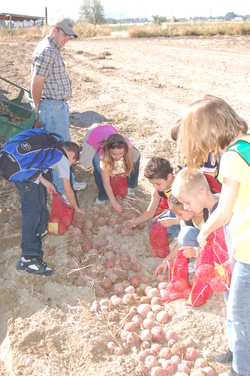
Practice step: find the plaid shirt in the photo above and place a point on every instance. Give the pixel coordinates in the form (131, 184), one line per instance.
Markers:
(47, 62)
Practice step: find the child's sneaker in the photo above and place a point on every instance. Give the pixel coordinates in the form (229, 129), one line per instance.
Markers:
(79, 186)
(131, 192)
(40, 236)
(172, 243)
(66, 200)
(99, 202)
(33, 264)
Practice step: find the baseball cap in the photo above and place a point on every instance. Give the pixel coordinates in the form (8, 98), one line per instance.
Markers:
(66, 25)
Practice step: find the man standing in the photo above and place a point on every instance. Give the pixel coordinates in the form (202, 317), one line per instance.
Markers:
(51, 87)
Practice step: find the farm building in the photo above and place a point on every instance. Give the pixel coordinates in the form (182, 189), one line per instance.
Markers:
(12, 21)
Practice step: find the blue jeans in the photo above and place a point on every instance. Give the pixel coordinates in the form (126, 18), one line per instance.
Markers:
(238, 317)
(132, 180)
(35, 217)
(172, 231)
(188, 236)
(54, 116)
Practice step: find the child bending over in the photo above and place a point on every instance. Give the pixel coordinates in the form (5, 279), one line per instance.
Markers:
(190, 223)
(113, 154)
(160, 174)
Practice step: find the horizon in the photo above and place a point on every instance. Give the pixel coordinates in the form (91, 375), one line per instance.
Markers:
(142, 9)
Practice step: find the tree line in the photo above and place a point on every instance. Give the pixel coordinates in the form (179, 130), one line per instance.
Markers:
(92, 11)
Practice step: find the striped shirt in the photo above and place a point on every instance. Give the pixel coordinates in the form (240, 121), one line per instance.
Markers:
(47, 62)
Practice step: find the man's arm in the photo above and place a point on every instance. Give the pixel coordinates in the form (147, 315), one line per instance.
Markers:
(36, 91)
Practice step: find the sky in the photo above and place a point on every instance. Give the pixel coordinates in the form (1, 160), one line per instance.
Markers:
(128, 8)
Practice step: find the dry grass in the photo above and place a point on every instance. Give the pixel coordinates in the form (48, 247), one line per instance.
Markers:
(190, 29)
(137, 31)
(90, 31)
(20, 33)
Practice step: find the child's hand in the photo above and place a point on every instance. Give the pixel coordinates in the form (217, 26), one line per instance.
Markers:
(129, 224)
(188, 252)
(133, 222)
(202, 240)
(50, 188)
(164, 222)
(117, 207)
(48, 185)
(164, 266)
(80, 211)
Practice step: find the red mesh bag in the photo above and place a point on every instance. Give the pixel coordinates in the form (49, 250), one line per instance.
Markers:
(178, 286)
(119, 185)
(61, 215)
(199, 294)
(162, 206)
(213, 265)
(213, 183)
(158, 238)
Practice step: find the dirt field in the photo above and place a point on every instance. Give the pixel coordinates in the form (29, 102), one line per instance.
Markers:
(142, 86)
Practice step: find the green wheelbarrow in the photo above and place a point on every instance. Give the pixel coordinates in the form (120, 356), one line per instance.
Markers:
(14, 118)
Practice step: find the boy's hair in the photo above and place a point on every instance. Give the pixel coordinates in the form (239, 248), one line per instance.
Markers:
(175, 130)
(189, 182)
(195, 138)
(157, 168)
(72, 146)
(174, 203)
(116, 141)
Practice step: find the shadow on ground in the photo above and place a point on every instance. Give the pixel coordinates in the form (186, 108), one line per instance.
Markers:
(86, 119)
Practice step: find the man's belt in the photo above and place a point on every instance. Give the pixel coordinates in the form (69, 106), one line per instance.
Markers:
(52, 99)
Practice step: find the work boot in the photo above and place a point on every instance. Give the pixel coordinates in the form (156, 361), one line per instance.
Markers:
(225, 359)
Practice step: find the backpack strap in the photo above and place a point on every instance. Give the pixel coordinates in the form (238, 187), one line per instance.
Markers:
(205, 214)
(58, 145)
(205, 217)
(189, 223)
(241, 147)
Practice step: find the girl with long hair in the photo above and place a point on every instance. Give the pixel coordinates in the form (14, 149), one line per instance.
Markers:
(114, 155)
(211, 125)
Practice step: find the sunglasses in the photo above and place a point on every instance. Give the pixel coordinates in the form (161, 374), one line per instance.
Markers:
(115, 144)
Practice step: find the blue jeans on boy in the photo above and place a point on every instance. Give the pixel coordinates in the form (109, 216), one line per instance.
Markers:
(132, 180)
(54, 116)
(172, 231)
(188, 236)
(238, 317)
(35, 217)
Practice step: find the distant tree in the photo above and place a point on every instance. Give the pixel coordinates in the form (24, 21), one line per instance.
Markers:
(92, 11)
(126, 20)
(231, 15)
(157, 20)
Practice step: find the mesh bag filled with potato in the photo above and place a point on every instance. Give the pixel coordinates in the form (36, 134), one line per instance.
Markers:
(158, 238)
(61, 215)
(213, 264)
(119, 185)
(179, 286)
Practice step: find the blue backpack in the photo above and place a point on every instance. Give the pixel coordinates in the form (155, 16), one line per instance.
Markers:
(28, 154)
